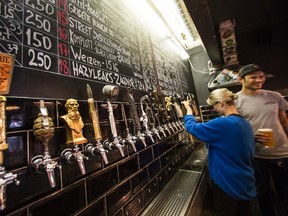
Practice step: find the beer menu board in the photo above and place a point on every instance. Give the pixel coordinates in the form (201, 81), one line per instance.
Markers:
(93, 40)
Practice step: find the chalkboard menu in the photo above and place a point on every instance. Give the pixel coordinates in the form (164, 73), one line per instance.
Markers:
(92, 40)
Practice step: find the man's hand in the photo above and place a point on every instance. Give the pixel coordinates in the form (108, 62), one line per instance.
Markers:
(263, 138)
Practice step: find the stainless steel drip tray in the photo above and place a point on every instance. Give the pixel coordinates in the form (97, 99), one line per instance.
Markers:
(197, 161)
(175, 197)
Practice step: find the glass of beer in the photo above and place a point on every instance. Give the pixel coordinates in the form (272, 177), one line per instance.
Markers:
(269, 133)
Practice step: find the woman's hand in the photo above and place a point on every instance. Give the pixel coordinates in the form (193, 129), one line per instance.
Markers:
(187, 107)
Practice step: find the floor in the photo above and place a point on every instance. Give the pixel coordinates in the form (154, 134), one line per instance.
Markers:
(209, 211)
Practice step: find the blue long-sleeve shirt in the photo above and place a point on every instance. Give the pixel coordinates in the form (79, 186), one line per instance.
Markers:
(231, 148)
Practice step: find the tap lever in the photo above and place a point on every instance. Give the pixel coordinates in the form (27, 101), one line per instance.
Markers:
(129, 138)
(112, 91)
(96, 128)
(44, 114)
(144, 118)
(67, 155)
(135, 117)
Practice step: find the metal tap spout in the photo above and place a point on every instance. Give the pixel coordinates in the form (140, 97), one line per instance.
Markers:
(119, 146)
(142, 138)
(80, 159)
(102, 152)
(149, 134)
(171, 127)
(98, 148)
(181, 124)
(161, 129)
(48, 164)
(131, 140)
(114, 144)
(167, 129)
(174, 126)
(71, 155)
(178, 125)
(155, 131)
(5, 179)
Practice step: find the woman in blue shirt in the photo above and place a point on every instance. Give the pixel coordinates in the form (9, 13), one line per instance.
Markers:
(231, 149)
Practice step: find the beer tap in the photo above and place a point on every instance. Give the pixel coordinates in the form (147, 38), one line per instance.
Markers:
(135, 117)
(112, 91)
(129, 138)
(177, 105)
(43, 130)
(70, 155)
(191, 99)
(159, 127)
(180, 108)
(5, 178)
(73, 125)
(164, 112)
(90, 148)
(144, 118)
(192, 104)
(161, 111)
(156, 115)
(171, 109)
(150, 116)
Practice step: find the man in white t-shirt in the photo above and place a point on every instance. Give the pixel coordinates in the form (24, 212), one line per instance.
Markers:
(266, 109)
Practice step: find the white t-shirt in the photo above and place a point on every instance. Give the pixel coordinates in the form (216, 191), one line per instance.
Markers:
(261, 111)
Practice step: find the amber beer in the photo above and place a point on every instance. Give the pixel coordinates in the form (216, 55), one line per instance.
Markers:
(269, 133)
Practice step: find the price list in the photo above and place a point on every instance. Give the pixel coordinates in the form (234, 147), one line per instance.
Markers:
(28, 30)
(81, 39)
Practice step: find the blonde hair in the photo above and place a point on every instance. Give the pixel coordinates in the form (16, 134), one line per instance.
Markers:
(221, 95)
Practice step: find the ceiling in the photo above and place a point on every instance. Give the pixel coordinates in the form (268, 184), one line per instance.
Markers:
(249, 15)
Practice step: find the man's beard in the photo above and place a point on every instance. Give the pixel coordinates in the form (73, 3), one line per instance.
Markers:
(74, 115)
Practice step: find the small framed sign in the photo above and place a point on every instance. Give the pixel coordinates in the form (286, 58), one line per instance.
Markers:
(6, 71)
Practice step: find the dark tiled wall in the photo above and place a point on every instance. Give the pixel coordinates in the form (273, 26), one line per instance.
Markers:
(123, 187)
(207, 113)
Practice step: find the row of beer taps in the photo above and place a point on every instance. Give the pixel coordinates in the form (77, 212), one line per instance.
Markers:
(159, 117)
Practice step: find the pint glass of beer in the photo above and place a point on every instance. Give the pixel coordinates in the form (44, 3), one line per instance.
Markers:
(269, 133)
